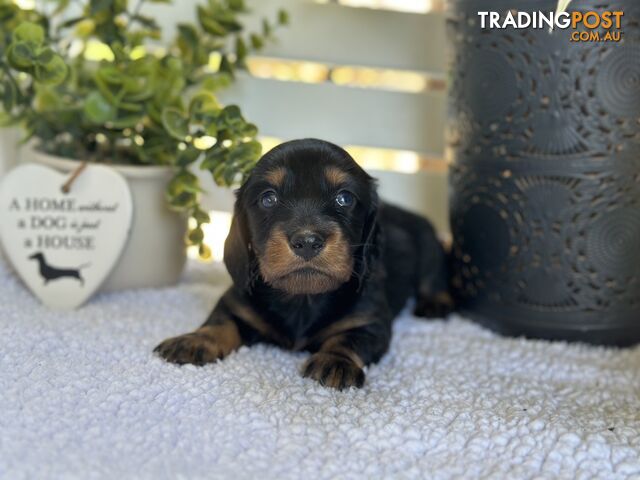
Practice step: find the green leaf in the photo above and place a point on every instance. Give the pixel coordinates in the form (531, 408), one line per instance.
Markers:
(201, 216)
(204, 252)
(237, 5)
(110, 74)
(21, 55)
(241, 49)
(97, 109)
(138, 88)
(154, 112)
(246, 152)
(196, 236)
(183, 200)
(29, 32)
(230, 174)
(226, 66)
(210, 24)
(257, 42)
(213, 158)
(127, 121)
(218, 174)
(211, 129)
(232, 115)
(175, 123)
(107, 6)
(184, 181)
(283, 17)
(130, 106)
(266, 28)
(53, 72)
(249, 130)
(46, 99)
(188, 37)
(217, 81)
(106, 91)
(9, 95)
(204, 102)
(187, 156)
(45, 56)
(228, 20)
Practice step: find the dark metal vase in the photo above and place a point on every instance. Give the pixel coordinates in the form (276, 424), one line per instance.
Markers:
(544, 137)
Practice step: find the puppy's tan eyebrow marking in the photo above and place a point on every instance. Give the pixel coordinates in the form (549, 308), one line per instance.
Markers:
(276, 176)
(335, 176)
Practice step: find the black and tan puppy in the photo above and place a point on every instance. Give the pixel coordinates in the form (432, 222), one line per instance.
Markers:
(318, 264)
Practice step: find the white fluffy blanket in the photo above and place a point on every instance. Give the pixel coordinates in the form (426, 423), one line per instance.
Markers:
(81, 396)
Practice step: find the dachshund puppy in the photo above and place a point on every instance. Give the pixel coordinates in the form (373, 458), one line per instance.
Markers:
(318, 264)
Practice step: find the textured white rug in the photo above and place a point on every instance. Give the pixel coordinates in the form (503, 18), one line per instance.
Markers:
(81, 396)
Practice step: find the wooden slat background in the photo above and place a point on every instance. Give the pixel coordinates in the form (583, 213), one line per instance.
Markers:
(344, 115)
(358, 36)
(339, 35)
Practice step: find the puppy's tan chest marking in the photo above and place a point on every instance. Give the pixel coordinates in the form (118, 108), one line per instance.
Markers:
(334, 330)
(249, 316)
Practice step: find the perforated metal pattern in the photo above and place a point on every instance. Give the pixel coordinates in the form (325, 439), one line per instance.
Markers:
(544, 134)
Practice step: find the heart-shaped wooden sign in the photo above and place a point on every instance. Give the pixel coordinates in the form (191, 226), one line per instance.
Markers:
(64, 245)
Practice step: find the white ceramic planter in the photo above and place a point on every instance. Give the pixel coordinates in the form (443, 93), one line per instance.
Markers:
(9, 151)
(155, 253)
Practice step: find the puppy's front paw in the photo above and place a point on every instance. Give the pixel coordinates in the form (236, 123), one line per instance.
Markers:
(205, 345)
(434, 306)
(333, 370)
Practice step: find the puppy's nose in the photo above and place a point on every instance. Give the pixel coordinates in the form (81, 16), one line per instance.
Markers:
(306, 244)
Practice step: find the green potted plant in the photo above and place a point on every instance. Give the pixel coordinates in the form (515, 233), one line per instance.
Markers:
(147, 109)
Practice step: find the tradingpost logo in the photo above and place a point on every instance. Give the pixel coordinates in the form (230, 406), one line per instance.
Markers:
(588, 26)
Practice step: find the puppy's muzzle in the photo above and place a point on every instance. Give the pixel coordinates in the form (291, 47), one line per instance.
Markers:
(307, 261)
(307, 244)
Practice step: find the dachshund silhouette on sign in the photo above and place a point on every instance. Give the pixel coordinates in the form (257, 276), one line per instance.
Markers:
(48, 272)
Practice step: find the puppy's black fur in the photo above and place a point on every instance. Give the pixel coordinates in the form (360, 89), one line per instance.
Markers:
(318, 264)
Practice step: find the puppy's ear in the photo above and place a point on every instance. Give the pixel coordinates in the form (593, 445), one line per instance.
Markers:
(238, 257)
(370, 239)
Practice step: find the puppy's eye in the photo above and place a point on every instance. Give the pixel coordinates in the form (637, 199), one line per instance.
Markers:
(269, 199)
(344, 199)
